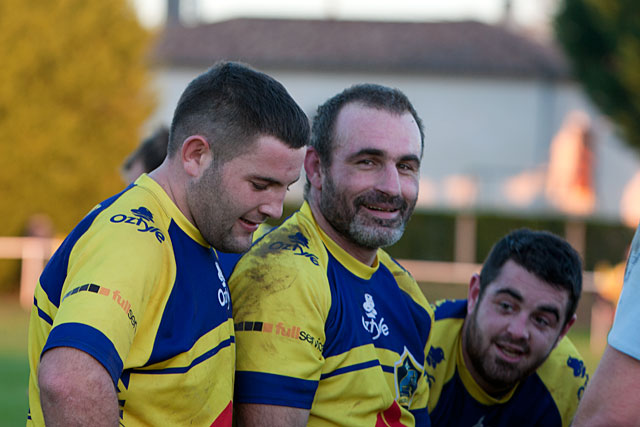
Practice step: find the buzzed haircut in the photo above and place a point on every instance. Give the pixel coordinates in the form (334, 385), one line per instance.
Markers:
(367, 94)
(231, 105)
(543, 254)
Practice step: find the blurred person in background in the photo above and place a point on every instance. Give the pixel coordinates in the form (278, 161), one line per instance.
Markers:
(500, 357)
(611, 399)
(131, 322)
(330, 330)
(147, 156)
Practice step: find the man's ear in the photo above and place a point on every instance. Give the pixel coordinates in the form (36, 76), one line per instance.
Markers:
(474, 292)
(312, 168)
(196, 155)
(566, 328)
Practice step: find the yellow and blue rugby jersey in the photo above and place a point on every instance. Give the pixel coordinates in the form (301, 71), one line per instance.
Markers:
(317, 329)
(136, 286)
(549, 397)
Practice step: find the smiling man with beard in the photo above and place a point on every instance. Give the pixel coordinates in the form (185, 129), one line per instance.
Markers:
(330, 330)
(501, 358)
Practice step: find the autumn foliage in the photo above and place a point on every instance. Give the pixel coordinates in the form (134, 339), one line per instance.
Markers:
(73, 95)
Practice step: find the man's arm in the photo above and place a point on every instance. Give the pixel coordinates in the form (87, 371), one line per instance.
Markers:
(75, 390)
(248, 415)
(609, 398)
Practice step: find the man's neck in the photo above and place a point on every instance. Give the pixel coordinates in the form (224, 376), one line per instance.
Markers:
(175, 188)
(364, 255)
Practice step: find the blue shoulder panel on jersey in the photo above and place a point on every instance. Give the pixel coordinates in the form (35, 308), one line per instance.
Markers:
(344, 328)
(55, 272)
(451, 309)
(89, 340)
(341, 326)
(193, 308)
(270, 389)
(228, 261)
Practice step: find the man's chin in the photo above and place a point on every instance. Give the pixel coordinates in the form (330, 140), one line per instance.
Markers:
(235, 245)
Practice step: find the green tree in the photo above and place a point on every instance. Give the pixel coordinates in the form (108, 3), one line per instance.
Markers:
(73, 95)
(602, 40)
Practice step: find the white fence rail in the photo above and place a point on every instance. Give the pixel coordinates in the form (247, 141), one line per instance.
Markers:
(35, 251)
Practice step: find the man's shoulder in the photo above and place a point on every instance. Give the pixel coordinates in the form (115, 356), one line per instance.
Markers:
(564, 366)
(565, 376)
(403, 278)
(294, 244)
(450, 309)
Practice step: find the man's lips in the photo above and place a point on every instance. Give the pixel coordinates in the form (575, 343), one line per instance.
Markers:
(249, 225)
(511, 352)
(382, 211)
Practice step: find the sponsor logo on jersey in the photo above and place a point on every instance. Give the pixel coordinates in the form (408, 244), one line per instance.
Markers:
(223, 293)
(115, 296)
(292, 332)
(579, 371)
(406, 373)
(297, 244)
(141, 218)
(371, 325)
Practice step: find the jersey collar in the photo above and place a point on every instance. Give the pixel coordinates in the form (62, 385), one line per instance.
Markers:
(170, 208)
(471, 385)
(358, 268)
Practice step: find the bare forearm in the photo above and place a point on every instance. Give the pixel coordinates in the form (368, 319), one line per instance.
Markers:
(249, 415)
(76, 390)
(609, 398)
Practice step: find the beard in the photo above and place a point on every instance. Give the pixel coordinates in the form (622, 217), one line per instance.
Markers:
(350, 219)
(214, 212)
(498, 373)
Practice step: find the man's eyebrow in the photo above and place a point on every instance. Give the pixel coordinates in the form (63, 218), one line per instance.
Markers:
(366, 151)
(267, 180)
(510, 292)
(410, 158)
(380, 153)
(516, 295)
(273, 181)
(549, 309)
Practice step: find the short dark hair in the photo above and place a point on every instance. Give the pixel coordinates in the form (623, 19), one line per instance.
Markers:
(231, 105)
(543, 254)
(368, 94)
(151, 151)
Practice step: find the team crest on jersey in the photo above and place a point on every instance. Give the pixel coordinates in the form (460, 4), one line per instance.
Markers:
(297, 244)
(406, 373)
(141, 218)
(372, 325)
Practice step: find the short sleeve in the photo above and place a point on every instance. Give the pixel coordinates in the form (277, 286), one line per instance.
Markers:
(110, 275)
(281, 301)
(624, 333)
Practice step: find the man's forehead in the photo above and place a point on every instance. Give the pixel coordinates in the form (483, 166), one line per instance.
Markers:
(359, 126)
(516, 281)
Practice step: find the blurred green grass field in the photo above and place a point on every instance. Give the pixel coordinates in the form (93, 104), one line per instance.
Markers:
(14, 367)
